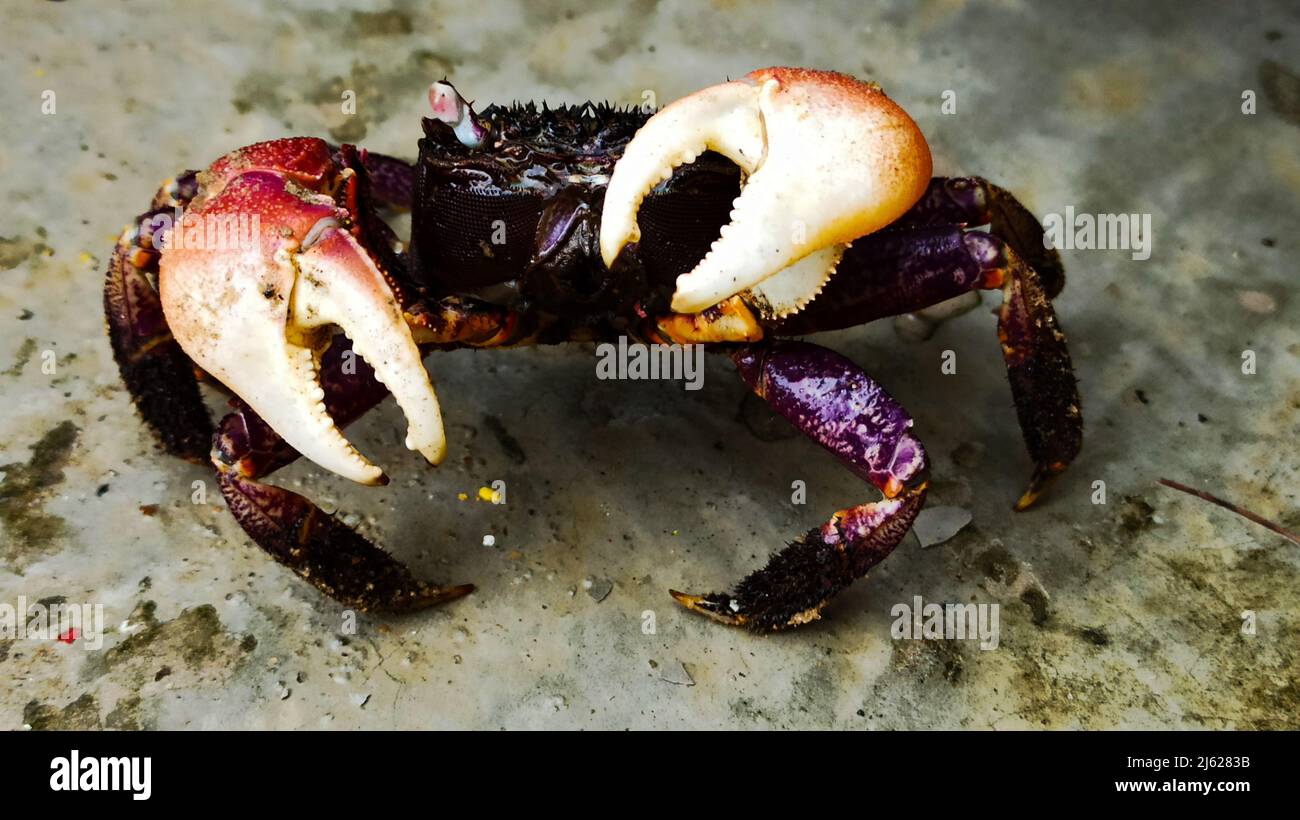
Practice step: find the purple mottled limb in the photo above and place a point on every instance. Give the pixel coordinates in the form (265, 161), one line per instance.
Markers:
(949, 201)
(833, 402)
(895, 272)
(970, 201)
(905, 269)
(333, 557)
(158, 375)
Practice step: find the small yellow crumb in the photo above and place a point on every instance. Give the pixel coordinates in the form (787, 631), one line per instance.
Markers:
(488, 494)
(674, 532)
(463, 496)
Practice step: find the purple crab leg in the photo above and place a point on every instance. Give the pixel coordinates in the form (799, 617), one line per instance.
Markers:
(321, 549)
(900, 271)
(833, 402)
(392, 180)
(158, 375)
(971, 201)
(327, 553)
(906, 269)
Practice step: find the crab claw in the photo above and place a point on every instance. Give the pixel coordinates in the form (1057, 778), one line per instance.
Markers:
(257, 312)
(826, 159)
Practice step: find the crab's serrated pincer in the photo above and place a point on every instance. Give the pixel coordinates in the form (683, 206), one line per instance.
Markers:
(826, 159)
(788, 292)
(339, 285)
(258, 313)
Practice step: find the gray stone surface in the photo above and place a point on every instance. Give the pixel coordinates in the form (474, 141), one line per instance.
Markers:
(1126, 614)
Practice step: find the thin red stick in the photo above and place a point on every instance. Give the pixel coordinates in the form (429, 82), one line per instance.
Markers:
(1228, 505)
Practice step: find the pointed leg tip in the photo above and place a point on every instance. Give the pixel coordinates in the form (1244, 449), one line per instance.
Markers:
(1044, 475)
(1027, 500)
(685, 599)
(441, 595)
(426, 597)
(715, 606)
(462, 590)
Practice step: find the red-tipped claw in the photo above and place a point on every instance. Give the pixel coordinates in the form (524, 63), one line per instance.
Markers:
(826, 159)
(253, 280)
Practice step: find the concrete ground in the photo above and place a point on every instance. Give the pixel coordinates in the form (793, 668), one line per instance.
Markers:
(1152, 609)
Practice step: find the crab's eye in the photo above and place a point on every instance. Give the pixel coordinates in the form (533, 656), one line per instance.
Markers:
(450, 107)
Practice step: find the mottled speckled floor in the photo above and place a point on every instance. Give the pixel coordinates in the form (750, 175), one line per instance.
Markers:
(1125, 614)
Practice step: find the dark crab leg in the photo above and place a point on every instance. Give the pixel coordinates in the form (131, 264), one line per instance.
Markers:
(159, 376)
(392, 180)
(318, 547)
(330, 555)
(1038, 363)
(907, 269)
(900, 271)
(1043, 386)
(833, 402)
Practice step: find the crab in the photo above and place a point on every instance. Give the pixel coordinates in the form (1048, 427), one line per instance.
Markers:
(787, 202)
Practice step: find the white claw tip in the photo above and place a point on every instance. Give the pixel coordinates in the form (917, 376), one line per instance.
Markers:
(434, 452)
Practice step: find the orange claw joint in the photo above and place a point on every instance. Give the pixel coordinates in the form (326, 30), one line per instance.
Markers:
(826, 159)
(259, 311)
